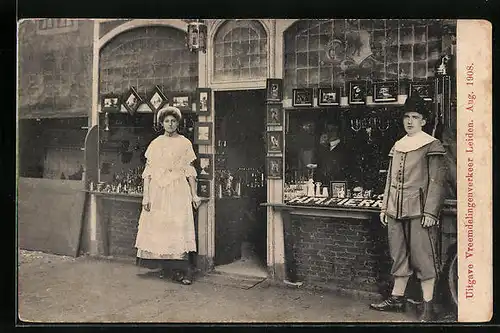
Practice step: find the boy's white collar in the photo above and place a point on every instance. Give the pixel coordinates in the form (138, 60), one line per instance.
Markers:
(409, 143)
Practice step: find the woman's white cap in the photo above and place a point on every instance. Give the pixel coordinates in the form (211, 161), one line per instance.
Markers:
(169, 109)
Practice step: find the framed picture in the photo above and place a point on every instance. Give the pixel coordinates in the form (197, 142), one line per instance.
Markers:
(357, 92)
(202, 133)
(181, 101)
(204, 101)
(203, 188)
(110, 103)
(338, 189)
(302, 97)
(274, 141)
(274, 114)
(156, 99)
(424, 89)
(328, 96)
(385, 91)
(274, 90)
(132, 100)
(206, 166)
(274, 167)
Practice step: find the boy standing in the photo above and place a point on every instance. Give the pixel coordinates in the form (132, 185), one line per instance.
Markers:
(413, 198)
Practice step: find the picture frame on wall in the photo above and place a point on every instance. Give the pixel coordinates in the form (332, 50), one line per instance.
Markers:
(205, 162)
(302, 97)
(274, 90)
(274, 167)
(203, 103)
(202, 133)
(386, 91)
(274, 114)
(156, 99)
(110, 103)
(357, 92)
(132, 100)
(338, 189)
(203, 188)
(328, 96)
(274, 141)
(425, 89)
(182, 101)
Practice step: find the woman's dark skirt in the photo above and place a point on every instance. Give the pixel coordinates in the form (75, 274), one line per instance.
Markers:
(169, 266)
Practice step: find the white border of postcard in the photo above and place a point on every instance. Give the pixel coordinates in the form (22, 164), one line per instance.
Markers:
(474, 170)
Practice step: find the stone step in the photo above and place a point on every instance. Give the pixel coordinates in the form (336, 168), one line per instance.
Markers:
(231, 280)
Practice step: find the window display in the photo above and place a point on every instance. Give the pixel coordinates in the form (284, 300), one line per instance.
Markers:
(338, 154)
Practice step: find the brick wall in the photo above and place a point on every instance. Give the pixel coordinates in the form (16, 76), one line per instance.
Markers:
(347, 253)
(122, 227)
(121, 223)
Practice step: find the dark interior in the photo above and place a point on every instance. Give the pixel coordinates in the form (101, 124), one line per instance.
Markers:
(59, 137)
(240, 157)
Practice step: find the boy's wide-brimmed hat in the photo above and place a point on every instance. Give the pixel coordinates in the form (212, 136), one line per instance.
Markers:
(169, 110)
(415, 103)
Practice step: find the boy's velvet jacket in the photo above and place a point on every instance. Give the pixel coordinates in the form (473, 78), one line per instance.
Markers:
(415, 182)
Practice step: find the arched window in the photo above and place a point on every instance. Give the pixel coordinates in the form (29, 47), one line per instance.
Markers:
(240, 51)
(327, 53)
(147, 56)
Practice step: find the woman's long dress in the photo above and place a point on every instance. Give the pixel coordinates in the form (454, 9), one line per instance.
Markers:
(166, 231)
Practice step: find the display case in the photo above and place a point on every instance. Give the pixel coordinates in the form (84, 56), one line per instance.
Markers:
(339, 153)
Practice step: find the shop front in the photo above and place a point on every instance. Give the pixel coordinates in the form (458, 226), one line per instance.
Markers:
(292, 121)
(344, 84)
(223, 106)
(138, 68)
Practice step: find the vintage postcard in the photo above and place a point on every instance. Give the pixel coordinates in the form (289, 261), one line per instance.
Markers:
(254, 170)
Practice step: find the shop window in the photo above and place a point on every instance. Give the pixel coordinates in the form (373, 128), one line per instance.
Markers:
(345, 146)
(145, 57)
(327, 53)
(240, 48)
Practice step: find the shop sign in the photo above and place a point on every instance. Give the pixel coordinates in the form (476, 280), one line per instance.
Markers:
(336, 202)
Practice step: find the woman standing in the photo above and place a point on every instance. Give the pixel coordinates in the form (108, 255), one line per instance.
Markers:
(166, 226)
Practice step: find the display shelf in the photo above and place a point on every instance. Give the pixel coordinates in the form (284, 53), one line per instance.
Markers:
(122, 196)
(312, 210)
(117, 196)
(346, 212)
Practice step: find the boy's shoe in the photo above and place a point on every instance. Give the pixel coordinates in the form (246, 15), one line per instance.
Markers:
(393, 304)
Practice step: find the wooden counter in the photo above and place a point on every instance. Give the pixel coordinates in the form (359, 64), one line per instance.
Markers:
(354, 213)
(450, 207)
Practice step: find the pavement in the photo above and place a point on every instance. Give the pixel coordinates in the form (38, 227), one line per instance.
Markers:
(63, 289)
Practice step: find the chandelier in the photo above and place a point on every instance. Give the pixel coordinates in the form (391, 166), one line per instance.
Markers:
(197, 36)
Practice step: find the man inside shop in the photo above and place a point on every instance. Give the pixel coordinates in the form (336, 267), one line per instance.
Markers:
(413, 198)
(331, 157)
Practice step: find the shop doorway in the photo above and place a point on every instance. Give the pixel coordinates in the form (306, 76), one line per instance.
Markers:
(240, 185)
